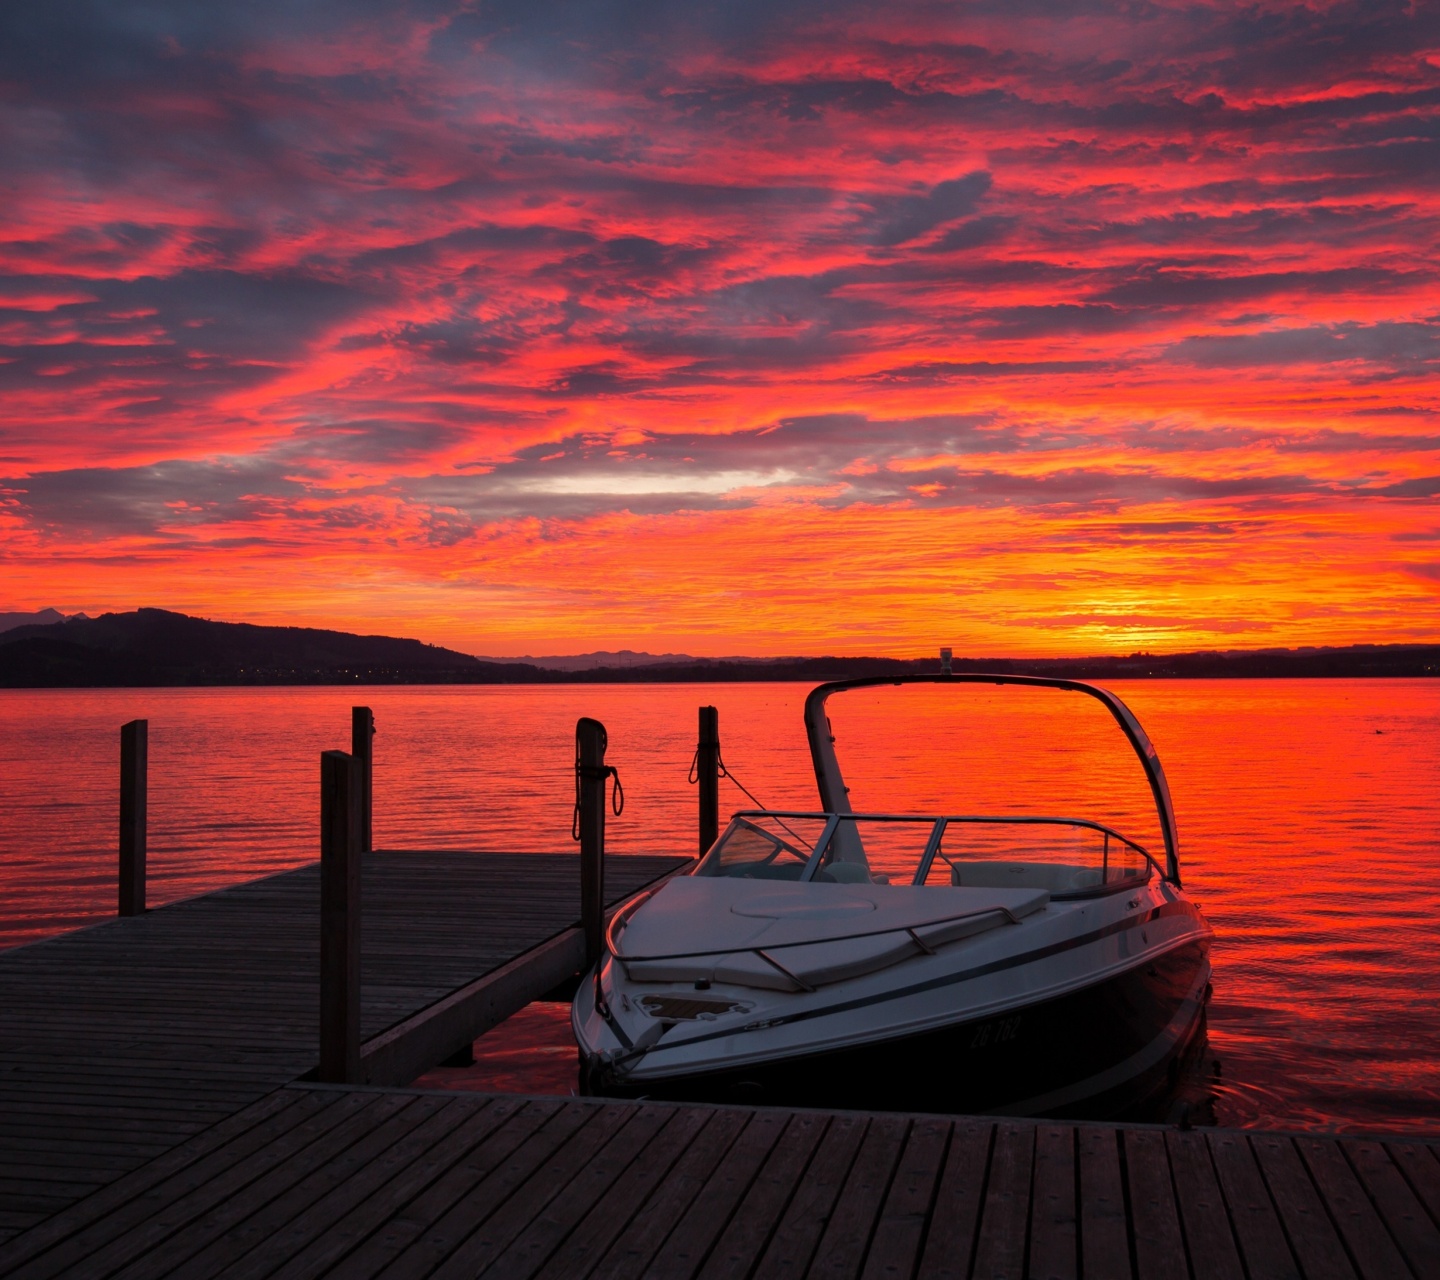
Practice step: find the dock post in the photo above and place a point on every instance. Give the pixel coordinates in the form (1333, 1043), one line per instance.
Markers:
(590, 775)
(340, 824)
(362, 747)
(134, 787)
(707, 774)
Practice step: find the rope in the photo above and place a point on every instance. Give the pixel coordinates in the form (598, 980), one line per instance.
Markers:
(617, 796)
(723, 772)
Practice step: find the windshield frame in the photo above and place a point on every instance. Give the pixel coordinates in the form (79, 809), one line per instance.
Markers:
(833, 792)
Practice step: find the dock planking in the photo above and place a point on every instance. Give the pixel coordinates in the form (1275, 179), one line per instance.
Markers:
(120, 1041)
(329, 1180)
(154, 1121)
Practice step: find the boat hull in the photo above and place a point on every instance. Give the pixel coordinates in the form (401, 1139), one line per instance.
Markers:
(1107, 1049)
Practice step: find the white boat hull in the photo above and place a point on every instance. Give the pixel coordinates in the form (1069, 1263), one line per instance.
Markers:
(1074, 1009)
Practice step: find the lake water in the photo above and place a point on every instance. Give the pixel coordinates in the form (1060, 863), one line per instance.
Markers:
(1309, 828)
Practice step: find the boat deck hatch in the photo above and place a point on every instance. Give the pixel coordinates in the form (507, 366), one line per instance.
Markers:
(686, 1010)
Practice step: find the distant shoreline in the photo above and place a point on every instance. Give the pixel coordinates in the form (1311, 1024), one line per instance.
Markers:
(153, 648)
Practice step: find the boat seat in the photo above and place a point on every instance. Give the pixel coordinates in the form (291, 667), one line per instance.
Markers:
(1057, 877)
(845, 873)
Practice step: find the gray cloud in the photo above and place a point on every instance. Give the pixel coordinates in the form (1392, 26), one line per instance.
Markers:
(899, 219)
(1412, 346)
(130, 501)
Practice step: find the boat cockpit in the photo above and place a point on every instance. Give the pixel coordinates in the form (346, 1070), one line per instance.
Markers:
(1068, 857)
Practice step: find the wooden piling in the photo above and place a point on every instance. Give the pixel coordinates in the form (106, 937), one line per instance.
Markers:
(362, 747)
(134, 786)
(707, 775)
(590, 774)
(340, 827)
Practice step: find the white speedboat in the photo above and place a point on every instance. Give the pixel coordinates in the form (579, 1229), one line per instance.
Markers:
(1023, 963)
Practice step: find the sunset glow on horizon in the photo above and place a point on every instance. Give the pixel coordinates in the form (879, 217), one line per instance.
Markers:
(1028, 328)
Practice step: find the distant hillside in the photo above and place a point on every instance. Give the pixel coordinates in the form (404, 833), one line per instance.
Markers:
(155, 647)
(1353, 660)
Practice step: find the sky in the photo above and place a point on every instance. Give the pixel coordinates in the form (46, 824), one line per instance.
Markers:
(1023, 327)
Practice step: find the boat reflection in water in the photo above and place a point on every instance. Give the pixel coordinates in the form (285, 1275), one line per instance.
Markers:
(1014, 963)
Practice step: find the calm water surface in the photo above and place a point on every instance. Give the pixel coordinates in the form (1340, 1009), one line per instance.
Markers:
(1307, 810)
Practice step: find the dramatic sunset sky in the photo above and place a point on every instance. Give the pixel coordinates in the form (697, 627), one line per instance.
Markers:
(1023, 326)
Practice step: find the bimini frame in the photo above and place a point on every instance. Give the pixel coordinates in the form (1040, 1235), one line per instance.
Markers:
(834, 796)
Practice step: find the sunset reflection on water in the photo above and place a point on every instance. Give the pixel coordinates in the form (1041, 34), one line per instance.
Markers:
(1308, 828)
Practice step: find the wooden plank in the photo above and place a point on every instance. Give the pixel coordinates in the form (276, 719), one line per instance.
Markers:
(607, 1219)
(1420, 1163)
(745, 1238)
(955, 1220)
(1104, 1234)
(1257, 1225)
(1155, 1219)
(1054, 1244)
(1302, 1212)
(637, 1246)
(73, 1236)
(445, 1233)
(54, 1167)
(895, 1246)
(1214, 1255)
(216, 1198)
(284, 1210)
(686, 1247)
(498, 1227)
(545, 1231)
(520, 1120)
(843, 1247)
(1409, 1223)
(1370, 1245)
(1000, 1249)
(808, 1213)
(47, 1197)
(314, 1243)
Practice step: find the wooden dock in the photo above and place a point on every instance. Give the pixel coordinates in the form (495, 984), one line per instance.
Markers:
(332, 1181)
(120, 1042)
(157, 1118)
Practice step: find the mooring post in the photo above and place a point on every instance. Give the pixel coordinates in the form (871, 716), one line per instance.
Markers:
(707, 774)
(590, 776)
(340, 824)
(134, 785)
(362, 747)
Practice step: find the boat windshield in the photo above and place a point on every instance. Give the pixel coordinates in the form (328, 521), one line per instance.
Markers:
(1066, 856)
(763, 846)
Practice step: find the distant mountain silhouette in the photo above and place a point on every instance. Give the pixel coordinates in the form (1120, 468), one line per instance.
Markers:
(156, 647)
(40, 618)
(612, 658)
